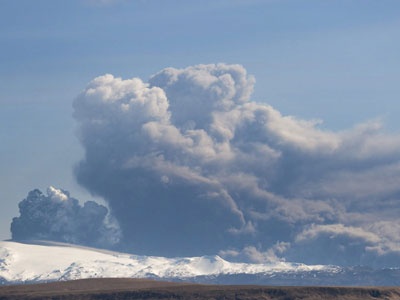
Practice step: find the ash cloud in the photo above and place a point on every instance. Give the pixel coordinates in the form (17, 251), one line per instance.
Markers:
(190, 165)
(56, 216)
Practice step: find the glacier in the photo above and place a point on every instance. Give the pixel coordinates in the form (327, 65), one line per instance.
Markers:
(21, 262)
(47, 261)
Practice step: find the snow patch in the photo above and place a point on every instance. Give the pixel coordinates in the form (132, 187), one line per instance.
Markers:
(31, 262)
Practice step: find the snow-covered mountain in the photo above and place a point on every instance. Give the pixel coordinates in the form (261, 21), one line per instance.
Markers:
(31, 262)
(21, 262)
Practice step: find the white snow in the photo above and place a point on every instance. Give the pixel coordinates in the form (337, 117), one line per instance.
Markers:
(32, 262)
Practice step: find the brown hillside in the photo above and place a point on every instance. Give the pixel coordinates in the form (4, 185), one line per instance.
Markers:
(121, 289)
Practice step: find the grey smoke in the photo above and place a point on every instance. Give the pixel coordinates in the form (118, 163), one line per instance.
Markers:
(190, 165)
(58, 217)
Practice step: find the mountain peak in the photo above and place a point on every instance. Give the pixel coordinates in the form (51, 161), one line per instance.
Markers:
(47, 261)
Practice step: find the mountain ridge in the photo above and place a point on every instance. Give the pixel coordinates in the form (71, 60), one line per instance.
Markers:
(48, 261)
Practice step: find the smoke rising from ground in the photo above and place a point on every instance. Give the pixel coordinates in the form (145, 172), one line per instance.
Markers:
(190, 165)
(58, 217)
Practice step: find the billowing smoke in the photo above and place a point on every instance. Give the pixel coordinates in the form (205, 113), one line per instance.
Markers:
(189, 166)
(58, 217)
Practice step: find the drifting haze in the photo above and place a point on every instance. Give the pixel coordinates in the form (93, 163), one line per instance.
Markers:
(190, 166)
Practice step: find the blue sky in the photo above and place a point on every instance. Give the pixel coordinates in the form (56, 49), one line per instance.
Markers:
(331, 60)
